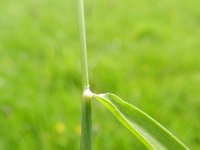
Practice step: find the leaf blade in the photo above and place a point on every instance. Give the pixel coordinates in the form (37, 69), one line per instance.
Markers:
(145, 128)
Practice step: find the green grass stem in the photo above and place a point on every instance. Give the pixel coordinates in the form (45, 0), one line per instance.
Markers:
(86, 123)
(84, 64)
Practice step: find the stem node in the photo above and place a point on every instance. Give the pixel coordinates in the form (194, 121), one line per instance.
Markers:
(87, 94)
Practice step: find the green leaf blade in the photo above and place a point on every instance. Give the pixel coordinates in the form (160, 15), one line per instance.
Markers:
(146, 129)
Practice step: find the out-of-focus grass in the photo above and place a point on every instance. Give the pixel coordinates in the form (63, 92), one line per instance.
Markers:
(150, 47)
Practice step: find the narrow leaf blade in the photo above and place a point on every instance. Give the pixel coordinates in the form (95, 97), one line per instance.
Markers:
(146, 129)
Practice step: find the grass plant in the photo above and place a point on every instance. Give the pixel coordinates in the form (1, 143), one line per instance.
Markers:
(146, 129)
(147, 52)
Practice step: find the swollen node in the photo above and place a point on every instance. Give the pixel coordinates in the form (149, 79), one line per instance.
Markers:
(87, 94)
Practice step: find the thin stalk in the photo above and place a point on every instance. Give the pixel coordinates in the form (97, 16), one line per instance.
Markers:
(86, 121)
(84, 65)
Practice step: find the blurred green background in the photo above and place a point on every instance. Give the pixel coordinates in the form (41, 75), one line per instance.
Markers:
(145, 51)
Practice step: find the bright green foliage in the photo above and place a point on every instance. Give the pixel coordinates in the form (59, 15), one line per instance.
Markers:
(149, 131)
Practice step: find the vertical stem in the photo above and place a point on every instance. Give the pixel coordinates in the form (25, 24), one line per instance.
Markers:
(84, 65)
(86, 125)
(86, 121)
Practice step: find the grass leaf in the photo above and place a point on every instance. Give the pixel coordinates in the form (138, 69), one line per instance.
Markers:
(146, 129)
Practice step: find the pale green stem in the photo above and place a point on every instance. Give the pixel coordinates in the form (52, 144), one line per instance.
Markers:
(86, 121)
(84, 65)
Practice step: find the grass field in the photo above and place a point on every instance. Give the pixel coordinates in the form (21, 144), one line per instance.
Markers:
(146, 51)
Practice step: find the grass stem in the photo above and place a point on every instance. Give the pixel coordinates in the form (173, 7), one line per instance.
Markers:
(86, 121)
(84, 65)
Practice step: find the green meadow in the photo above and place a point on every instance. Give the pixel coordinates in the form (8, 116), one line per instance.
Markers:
(145, 51)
